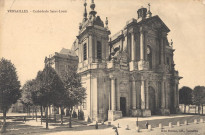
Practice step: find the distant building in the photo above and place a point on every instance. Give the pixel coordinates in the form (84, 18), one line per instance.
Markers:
(62, 60)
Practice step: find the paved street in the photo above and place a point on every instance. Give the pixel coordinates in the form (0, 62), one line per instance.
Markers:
(17, 126)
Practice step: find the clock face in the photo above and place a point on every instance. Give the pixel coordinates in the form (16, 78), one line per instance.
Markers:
(148, 50)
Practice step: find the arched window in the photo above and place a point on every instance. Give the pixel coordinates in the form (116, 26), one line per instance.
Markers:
(149, 56)
(85, 51)
(99, 50)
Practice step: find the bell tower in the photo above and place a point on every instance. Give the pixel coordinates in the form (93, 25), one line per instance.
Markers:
(92, 49)
(92, 40)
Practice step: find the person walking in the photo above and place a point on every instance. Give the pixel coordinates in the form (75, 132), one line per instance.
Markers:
(116, 131)
(146, 125)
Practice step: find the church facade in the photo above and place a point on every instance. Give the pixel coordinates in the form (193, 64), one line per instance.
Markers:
(130, 73)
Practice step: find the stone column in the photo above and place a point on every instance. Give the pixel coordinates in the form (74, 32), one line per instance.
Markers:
(162, 38)
(141, 44)
(113, 94)
(162, 50)
(90, 53)
(147, 94)
(167, 95)
(177, 96)
(174, 95)
(80, 53)
(156, 98)
(125, 40)
(162, 95)
(138, 96)
(142, 94)
(88, 48)
(110, 98)
(133, 95)
(133, 46)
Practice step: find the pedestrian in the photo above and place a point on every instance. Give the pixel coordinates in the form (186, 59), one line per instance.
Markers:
(147, 125)
(96, 125)
(116, 131)
(24, 119)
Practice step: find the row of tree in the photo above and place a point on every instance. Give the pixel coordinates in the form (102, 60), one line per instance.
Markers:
(187, 96)
(48, 88)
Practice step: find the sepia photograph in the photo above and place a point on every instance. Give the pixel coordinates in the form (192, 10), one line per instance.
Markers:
(96, 67)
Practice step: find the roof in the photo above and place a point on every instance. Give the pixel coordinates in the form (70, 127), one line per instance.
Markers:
(67, 52)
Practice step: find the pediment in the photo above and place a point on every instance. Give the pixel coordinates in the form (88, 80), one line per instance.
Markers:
(156, 23)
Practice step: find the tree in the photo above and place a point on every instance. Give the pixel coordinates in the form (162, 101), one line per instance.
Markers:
(74, 92)
(36, 98)
(199, 97)
(185, 96)
(49, 89)
(9, 86)
(27, 95)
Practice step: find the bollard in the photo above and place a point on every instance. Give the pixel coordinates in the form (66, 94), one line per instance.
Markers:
(195, 121)
(149, 127)
(96, 125)
(118, 125)
(138, 129)
(127, 128)
(185, 122)
(178, 123)
(201, 120)
(170, 124)
(109, 123)
(160, 126)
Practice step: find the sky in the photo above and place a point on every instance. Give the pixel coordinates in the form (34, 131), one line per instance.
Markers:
(26, 38)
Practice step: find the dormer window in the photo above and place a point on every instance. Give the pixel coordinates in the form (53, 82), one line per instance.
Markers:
(85, 51)
(99, 50)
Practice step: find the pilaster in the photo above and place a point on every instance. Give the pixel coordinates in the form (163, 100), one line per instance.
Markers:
(142, 94)
(141, 44)
(113, 114)
(133, 95)
(138, 94)
(113, 100)
(162, 95)
(142, 64)
(147, 94)
(133, 46)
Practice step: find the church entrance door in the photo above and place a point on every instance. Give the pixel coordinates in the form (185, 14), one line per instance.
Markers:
(123, 105)
(152, 100)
